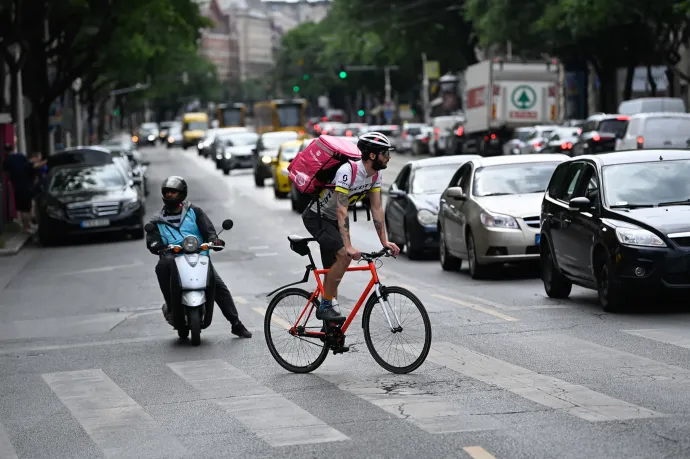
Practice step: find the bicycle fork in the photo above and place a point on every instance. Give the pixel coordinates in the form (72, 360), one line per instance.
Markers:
(385, 305)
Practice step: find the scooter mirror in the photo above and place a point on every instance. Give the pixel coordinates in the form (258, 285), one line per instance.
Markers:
(149, 227)
(228, 224)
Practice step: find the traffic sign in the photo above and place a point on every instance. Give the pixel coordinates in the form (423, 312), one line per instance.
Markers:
(524, 97)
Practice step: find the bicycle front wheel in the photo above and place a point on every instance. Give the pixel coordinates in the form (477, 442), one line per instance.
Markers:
(298, 353)
(407, 348)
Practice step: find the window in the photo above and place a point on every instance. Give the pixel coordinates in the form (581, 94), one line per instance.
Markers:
(232, 117)
(588, 186)
(613, 126)
(510, 179)
(289, 153)
(464, 177)
(570, 179)
(557, 179)
(648, 183)
(196, 126)
(402, 181)
(289, 115)
(431, 180)
(83, 179)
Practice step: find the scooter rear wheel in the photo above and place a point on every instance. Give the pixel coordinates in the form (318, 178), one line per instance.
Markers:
(183, 333)
(194, 322)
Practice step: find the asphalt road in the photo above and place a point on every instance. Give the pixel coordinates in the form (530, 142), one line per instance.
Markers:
(89, 368)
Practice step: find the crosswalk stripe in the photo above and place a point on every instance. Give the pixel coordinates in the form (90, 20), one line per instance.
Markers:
(672, 336)
(544, 390)
(269, 415)
(431, 413)
(477, 452)
(6, 449)
(113, 420)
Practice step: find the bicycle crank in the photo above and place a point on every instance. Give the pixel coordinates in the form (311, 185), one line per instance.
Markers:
(335, 339)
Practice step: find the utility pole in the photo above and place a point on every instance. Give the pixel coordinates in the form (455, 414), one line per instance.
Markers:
(425, 90)
(387, 80)
(76, 86)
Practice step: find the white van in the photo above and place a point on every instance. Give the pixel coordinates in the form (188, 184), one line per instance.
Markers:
(652, 104)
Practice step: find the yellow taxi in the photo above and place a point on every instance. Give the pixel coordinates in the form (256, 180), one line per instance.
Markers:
(279, 164)
(194, 127)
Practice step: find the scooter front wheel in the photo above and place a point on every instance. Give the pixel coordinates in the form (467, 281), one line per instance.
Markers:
(194, 323)
(183, 333)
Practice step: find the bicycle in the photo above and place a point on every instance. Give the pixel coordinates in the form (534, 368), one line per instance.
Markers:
(332, 335)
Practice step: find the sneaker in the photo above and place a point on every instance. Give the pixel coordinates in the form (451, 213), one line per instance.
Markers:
(240, 330)
(326, 312)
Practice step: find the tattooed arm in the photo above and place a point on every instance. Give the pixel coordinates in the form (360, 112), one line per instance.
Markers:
(343, 217)
(377, 215)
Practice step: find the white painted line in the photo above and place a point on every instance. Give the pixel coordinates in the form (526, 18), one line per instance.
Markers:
(477, 452)
(102, 269)
(673, 336)
(240, 300)
(476, 307)
(269, 415)
(544, 390)
(268, 254)
(431, 413)
(277, 320)
(258, 247)
(7, 451)
(115, 422)
(408, 287)
(513, 308)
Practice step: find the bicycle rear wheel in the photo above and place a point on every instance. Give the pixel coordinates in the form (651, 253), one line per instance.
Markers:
(401, 342)
(282, 313)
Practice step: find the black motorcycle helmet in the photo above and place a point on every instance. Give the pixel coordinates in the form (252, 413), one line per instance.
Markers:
(174, 183)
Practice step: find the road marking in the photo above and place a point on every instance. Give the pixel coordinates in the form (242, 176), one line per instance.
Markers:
(408, 287)
(268, 254)
(115, 422)
(269, 415)
(431, 413)
(102, 269)
(513, 308)
(544, 390)
(7, 451)
(241, 300)
(62, 327)
(673, 336)
(477, 452)
(258, 247)
(476, 307)
(277, 320)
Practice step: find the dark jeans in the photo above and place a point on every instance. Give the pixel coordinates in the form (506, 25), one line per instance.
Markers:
(166, 268)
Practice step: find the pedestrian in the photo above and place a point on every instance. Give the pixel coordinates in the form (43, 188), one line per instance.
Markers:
(21, 173)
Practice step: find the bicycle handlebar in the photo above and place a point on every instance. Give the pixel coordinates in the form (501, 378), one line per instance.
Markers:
(371, 256)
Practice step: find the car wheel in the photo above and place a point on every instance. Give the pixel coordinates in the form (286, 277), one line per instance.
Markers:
(477, 270)
(448, 261)
(556, 285)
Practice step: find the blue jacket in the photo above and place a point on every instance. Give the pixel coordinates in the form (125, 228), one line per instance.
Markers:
(193, 222)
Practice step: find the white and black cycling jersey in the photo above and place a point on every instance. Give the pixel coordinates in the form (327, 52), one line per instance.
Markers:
(356, 189)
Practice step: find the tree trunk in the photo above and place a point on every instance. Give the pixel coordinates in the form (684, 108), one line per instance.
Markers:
(607, 89)
(101, 118)
(4, 104)
(650, 80)
(43, 118)
(629, 75)
(90, 112)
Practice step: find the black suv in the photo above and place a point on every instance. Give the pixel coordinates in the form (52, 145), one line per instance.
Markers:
(599, 134)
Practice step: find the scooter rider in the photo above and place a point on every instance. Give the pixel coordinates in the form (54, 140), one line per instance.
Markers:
(178, 219)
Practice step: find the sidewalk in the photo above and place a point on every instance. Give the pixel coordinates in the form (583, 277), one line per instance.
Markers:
(12, 241)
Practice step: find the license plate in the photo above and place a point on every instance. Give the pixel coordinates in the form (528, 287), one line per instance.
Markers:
(96, 223)
(537, 238)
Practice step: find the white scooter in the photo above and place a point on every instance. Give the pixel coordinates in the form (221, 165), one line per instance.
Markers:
(196, 285)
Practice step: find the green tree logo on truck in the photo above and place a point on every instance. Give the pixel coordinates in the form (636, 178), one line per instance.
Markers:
(524, 97)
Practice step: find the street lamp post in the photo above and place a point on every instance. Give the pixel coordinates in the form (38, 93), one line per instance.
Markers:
(76, 86)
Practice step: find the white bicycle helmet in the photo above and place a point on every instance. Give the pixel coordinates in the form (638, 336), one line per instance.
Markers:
(374, 142)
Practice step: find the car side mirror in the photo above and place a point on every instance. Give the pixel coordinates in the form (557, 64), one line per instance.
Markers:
(274, 161)
(396, 193)
(456, 193)
(581, 203)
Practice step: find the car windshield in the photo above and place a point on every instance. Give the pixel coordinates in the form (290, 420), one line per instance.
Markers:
(239, 140)
(523, 135)
(289, 153)
(86, 179)
(614, 126)
(520, 178)
(196, 126)
(432, 179)
(273, 141)
(648, 183)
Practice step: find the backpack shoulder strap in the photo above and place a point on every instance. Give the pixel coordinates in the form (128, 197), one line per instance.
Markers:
(353, 164)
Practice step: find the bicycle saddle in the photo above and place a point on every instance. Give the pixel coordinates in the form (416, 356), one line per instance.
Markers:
(297, 239)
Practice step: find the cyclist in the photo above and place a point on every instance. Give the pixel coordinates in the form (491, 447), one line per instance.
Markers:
(331, 229)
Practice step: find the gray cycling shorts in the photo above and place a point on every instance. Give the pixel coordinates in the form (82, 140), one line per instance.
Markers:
(327, 235)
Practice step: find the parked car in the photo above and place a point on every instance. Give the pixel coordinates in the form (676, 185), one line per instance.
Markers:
(656, 130)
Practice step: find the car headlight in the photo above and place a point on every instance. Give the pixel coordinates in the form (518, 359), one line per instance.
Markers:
(151, 138)
(171, 140)
(190, 244)
(54, 211)
(639, 237)
(498, 221)
(228, 155)
(200, 146)
(134, 204)
(426, 217)
(284, 172)
(266, 160)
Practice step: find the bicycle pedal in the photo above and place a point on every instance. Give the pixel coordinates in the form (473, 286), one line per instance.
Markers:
(341, 350)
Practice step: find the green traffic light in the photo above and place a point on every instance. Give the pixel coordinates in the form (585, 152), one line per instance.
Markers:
(305, 77)
(116, 112)
(360, 112)
(295, 88)
(343, 74)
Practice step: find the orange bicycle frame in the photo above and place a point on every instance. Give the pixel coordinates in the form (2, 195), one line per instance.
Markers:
(319, 289)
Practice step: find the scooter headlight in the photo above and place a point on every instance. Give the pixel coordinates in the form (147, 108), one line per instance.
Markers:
(190, 244)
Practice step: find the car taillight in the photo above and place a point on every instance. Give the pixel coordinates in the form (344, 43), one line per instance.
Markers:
(538, 145)
(348, 133)
(640, 143)
(437, 132)
(596, 137)
(404, 136)
(493, 136)
(460, 131)
(623, 118)
(566, 145)
(317, 128)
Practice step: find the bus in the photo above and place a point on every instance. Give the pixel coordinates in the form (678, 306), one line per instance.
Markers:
(280, 115)
(231, 115)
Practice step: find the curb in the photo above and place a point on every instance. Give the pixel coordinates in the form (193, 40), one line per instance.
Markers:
(17, 246)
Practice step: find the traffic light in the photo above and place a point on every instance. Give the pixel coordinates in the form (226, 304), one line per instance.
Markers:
(360, 112)
(305, 77)
(343, 73)
(295, 88)
(116, 112)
